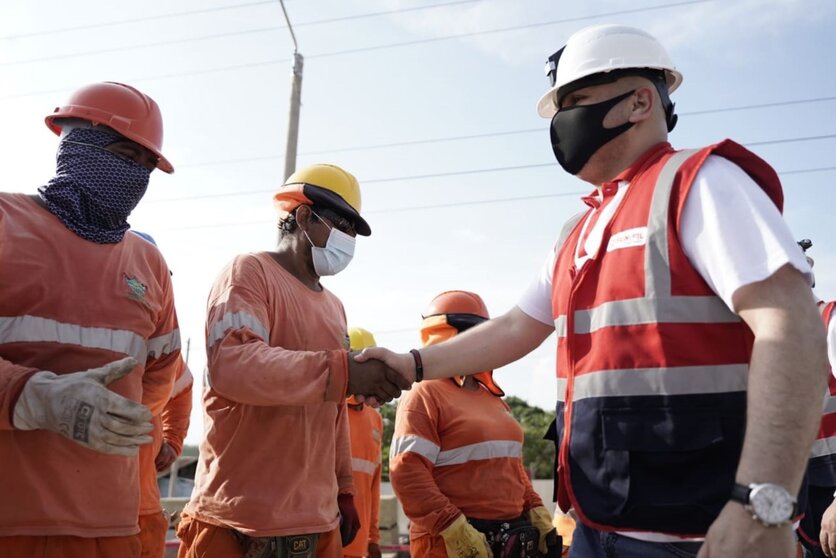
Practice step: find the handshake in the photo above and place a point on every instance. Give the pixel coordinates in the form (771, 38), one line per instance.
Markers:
(377, 375)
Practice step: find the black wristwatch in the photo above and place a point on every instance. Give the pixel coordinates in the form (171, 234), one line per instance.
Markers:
(771, 504)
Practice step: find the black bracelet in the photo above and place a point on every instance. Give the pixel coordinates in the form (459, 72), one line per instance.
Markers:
(419, 366)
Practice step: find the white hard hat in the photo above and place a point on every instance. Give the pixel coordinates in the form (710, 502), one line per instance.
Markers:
(600, 49)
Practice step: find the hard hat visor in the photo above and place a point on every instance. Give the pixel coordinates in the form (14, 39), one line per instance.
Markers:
(292, 196)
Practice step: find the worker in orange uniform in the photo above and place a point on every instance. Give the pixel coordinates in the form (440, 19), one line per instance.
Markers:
(366, 426)
(817, 530)
(690, 355)
(170, 429)
(278, 375)
(89, 343)
(456, 458)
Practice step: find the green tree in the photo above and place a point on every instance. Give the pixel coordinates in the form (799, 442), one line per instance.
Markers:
(538, 454)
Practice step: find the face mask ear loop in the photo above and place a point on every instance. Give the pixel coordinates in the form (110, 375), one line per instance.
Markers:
(670, 118)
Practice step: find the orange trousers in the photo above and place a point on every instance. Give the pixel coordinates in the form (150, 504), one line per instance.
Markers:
(61, 546)
(153, 528)
(199, 539)
(428, 546)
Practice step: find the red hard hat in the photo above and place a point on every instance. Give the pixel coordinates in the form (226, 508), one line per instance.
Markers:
(120, 107)
(457, 302)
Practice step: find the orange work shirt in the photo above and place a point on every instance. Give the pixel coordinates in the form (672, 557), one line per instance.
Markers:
(276, 451)
(68, 305)
(171, 426)
(366, 427)
(456, 451)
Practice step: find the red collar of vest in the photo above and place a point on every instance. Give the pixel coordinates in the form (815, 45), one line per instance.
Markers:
(627, 175)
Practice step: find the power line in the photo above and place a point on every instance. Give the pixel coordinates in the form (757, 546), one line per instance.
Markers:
(512, 28)
(404, 44)
(457, 204)
(456, 173)
(542, 129)
(512, 132)
(135, 20)
(228, 34)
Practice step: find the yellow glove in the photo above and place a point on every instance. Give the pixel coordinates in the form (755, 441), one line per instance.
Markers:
(463, 541)
(542, 519)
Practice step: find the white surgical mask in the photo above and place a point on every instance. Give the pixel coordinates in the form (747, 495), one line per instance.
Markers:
(335, 255)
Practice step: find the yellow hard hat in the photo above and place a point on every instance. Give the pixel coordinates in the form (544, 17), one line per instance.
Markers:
(360, 338)
(327, 185)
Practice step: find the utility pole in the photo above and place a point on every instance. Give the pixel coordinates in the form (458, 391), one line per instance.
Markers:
(295, 103)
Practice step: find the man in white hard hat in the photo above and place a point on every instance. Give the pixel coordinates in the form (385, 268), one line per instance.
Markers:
(691, 357)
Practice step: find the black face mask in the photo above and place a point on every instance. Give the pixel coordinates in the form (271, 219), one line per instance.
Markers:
(578, 132)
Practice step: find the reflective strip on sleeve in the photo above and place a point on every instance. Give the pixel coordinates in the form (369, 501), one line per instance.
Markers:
(236, 320)
(184, 381)
(824, 446)
(164, 344)
(479, 452)
(682, 380)
(34, 329)
(363, 466)
(414, 444)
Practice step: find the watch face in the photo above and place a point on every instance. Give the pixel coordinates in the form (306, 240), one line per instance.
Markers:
(771, 503)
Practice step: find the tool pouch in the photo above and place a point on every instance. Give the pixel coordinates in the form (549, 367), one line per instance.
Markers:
(513, 538)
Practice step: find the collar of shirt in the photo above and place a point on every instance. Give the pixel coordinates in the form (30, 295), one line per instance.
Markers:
(610, 188)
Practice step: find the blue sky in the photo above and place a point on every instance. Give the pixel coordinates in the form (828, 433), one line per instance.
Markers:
(417, 76)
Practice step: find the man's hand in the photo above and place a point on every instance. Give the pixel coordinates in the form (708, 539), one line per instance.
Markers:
(79, 407)
(827, 536)
(165, 457)
(374, 550)
(349, 518)
(402, 363)
(373, 378)
(735, 533)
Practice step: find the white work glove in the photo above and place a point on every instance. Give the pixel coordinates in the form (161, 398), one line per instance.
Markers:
(79, 407)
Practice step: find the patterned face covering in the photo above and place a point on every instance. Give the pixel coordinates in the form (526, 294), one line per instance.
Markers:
(94, 190)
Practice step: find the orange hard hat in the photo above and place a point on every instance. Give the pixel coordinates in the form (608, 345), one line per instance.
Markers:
(457, 302)
(126, 110)
(450, 313)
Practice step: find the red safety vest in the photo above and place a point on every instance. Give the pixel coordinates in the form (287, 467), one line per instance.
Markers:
(822, 467)
(652, 366)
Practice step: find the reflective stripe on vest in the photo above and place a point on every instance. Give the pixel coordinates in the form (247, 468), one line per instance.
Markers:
(363, 465)
(681, 380)
(823, 447)
(495, 449)
(34, 329)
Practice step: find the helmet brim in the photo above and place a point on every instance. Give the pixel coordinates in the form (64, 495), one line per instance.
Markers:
(293, 195)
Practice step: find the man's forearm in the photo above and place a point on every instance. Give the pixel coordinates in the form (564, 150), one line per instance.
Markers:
(787, 378)
(487, 346)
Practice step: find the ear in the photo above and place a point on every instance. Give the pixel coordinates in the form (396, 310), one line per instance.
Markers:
(643, 102)
(304, 217)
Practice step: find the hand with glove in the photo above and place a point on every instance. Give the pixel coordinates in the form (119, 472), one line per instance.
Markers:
(550, 544)
(349, 518)
(374, 550)
(79, 407)
(462, 540)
